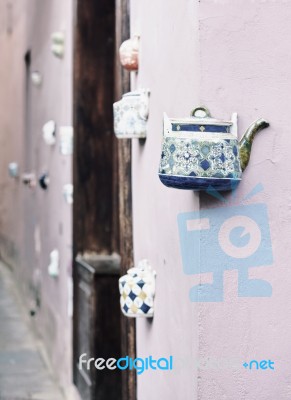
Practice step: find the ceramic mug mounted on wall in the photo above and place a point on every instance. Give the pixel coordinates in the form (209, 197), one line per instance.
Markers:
(203, 153)
(131, 115)
(137, 291)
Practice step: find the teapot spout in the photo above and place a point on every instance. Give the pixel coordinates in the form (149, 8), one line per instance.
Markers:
(245, 144)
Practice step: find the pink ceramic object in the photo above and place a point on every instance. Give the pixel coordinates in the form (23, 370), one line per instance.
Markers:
(128, 53)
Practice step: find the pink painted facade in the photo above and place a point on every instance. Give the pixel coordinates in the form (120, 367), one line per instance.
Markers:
(230, 56)
(35, 222)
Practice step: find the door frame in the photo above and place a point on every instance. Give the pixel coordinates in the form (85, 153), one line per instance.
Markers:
(102, 214)
(122, 85)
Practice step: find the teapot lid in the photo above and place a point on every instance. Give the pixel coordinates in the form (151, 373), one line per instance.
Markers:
(129, 94)
(201, 115)
(142, 267)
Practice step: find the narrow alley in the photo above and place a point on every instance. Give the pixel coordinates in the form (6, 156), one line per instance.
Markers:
(145, 209)
(23, 372)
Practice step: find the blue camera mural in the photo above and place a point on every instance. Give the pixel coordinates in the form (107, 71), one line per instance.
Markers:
(226, 238)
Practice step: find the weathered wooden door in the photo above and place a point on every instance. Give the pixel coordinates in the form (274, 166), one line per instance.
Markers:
(102, 223)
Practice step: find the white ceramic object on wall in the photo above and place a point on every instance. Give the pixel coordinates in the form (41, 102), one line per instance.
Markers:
(137, 291)
(58, 44)
(68, 190)
(131, 115)
(13, 170)
(36, 78)
(49, 132)
(54, 268)
(66, 140)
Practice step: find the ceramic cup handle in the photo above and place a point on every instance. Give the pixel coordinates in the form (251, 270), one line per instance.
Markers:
(200, 112)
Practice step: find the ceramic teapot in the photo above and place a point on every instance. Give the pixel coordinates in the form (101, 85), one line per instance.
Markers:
(203, 153)
(131, 115)
(137, 291)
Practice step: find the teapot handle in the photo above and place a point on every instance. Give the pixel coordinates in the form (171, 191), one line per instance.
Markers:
(200, 112)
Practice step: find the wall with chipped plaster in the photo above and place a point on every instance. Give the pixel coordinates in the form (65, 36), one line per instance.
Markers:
(230, 56)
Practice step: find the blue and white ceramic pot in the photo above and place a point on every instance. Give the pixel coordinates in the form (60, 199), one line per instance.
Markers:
(131, 115)
(137, 291)
(203, 153)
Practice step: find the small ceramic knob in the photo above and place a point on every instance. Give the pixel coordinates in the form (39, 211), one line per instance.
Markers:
(128, 52)
(44, 181)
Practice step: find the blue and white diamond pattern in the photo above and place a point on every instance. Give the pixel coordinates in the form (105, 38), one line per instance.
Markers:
(137, 291)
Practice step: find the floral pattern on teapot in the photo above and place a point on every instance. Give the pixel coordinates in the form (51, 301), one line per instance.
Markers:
(204, 159)
(131, 115)
(203, 153)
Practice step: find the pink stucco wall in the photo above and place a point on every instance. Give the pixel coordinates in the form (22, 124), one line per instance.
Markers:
(245, 66)
(229, 56)
(169, 66)
(12, 36)
(34, 222)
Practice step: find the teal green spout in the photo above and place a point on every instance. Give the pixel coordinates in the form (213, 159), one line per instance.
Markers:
(245, 144)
